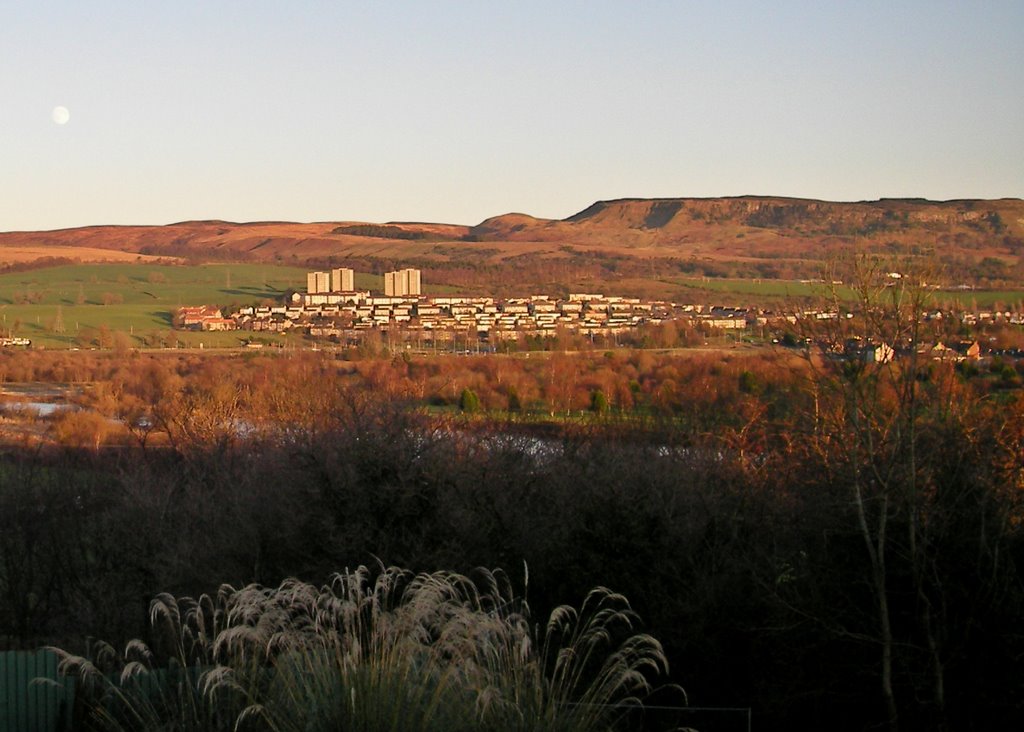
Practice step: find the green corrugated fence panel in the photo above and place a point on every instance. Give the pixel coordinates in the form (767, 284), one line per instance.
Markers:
(33, 696)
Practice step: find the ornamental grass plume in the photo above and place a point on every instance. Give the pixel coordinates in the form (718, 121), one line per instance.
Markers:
(376, 650)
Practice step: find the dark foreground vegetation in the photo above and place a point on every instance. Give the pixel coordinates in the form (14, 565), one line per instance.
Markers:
(834, 544)
(374, 650)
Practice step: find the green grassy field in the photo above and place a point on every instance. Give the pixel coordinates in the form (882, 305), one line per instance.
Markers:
(773, 289)
(779, 290)
(136, 299)
(982, 298)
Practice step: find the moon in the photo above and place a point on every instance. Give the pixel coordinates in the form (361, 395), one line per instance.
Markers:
(61, 115)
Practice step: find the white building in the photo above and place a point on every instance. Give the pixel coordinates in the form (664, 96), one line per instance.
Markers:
(337, 280)
(402, 283)
(318, 282)
(343, 280)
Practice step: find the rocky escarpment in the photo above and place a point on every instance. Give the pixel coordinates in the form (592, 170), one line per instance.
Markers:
(744, 228)
(1002, 216)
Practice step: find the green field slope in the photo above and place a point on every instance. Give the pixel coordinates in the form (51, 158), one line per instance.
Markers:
(135, 299)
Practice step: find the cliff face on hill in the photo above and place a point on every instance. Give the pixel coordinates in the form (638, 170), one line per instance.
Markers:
(813, 216)
(746, 228)
(665, 219)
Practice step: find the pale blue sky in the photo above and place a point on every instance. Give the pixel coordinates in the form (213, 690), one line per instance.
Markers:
(456, 111)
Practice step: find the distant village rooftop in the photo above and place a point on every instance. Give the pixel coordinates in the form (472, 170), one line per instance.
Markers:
(332, 308)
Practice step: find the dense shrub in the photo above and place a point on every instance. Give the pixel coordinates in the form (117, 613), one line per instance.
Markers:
(374, 650)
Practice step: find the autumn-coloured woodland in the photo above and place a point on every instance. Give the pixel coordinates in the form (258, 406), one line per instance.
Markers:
(834, 544)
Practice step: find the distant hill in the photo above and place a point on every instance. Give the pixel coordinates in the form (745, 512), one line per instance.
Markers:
(763, 226)
(782, 234)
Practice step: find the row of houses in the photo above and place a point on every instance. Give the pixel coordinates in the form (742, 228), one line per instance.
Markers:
(14, 342)
(487, 316)
(341, 315)
(868, 351)
(993, 316)
(322, 314)
(202, 317)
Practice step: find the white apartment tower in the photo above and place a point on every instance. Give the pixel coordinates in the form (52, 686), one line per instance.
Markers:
(318, 282)
(337, 280)
(402, 283)
(342, 280)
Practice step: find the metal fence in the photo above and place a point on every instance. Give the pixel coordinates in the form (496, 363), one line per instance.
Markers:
(33, 696)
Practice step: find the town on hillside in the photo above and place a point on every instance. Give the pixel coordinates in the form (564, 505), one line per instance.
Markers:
(332, 309)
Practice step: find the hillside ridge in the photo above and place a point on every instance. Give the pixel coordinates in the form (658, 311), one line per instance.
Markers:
(732, 228)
